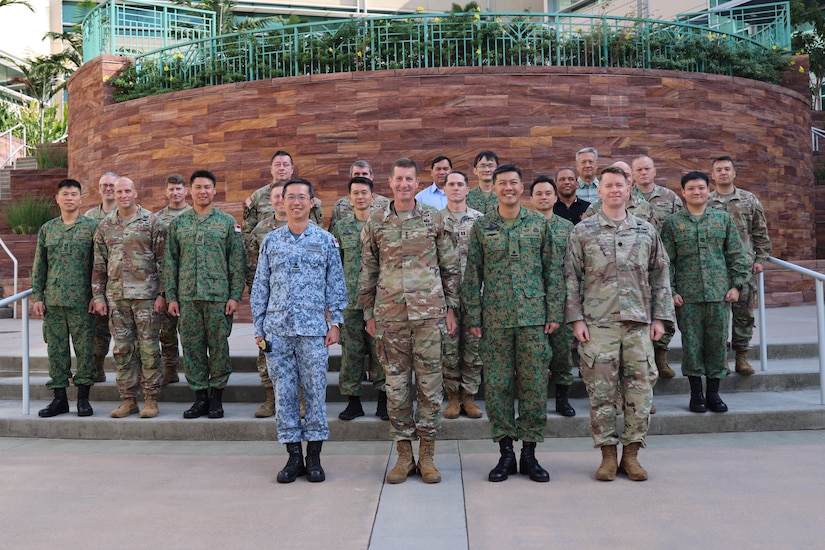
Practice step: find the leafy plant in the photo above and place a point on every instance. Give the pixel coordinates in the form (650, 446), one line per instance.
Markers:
(26, 216)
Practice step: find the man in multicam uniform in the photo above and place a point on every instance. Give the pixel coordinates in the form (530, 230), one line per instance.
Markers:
(462, 359)
(106, 187)
(408, 288)
(343, 207)
(203, 275)
(356, 344)
(636, 204)
(618, 294)
(258, 208)
(481, 197)
(169, 349)
(747, 213)
(664, 203)
(126, 287)
(707, 269)
(513, 297)
(299, 279)
(543, 198)
(62, 295)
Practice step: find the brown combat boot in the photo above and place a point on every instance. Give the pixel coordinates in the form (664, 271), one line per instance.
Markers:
(267, 409)
(609, 466)
(453, 408)
(405, 466)
(127, 406)
(170, 376)
(743, 367)
(426, 467)
(150, 407)
(661, 364)
(470, 408)
(630, 464)
(100, 374)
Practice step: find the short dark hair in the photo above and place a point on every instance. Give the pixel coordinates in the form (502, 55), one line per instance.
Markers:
(543, 179)
(560, 170)
(723, 158)
(695, 175)
(363, 181)
(460, 173)
(175, 179)
(203, 174)
(613, 170)
(404, 162)
(69, 183)
(489, 155)
(439, 158)
(507, 168)
(280, 153)
(299, 181)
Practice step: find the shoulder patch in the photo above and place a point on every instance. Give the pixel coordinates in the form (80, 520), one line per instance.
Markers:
(237, 228)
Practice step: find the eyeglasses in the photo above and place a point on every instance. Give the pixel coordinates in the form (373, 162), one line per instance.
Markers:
(487, 165)
(107, 185)
(293, 198)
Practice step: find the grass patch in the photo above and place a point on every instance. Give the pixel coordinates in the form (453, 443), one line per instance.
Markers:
(26, 216)
(52, 157)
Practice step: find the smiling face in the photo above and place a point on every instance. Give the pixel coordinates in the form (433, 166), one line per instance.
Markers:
(361, 197)
(176, 194)
(439, 172)
(276, 199)
(508, 187)
(126, 196)
(203, 193)
(484, 170)
(586, 166)
(695, 193)
(613, 190)
(68, 199)
(298, 202)
(543, 198)
(106, 186)
(404, 185)
(567, 184)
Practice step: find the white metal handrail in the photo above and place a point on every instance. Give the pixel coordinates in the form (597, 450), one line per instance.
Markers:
(13, 261)
(819, 280)
(13, 151)
(816, 133)
(24, 296)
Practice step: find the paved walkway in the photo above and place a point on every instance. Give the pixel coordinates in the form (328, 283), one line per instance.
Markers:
(753, 490)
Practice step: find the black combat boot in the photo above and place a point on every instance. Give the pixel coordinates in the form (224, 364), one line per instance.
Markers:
(315, 472)
(83, 406)
(507, 463)
(200, 407)
(294, 465)
(528, 465)
(381, 409)
(216, 403)
(697, 398)
(59, 405)
(715, 402)
(353, 410)
(563, 406)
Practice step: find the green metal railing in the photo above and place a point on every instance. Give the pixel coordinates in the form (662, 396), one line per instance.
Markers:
(768, 24)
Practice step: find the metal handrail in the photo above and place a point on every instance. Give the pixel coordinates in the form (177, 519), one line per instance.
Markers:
(13, 150)
(24, 296)
(13, 261)
(819, 280)
(816, 133)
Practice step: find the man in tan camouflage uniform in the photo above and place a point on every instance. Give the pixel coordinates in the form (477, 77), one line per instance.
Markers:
(747, 213)
(618, 294)
(106, 187)
(664, 203)
(258, 208)
(126, 287)
(408, 288)
(462, 359)
(636, 204)
(513, 297)
(481, 197)
(176, 192)
(343, 207)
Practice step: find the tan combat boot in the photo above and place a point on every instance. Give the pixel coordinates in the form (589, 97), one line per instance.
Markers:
(100, 374)
(661, 364)
(426, 467)
(405, 466)
(267, 409)
(453, 408)
(609, 466)
(470, 408)
(150, 407)
(742, 365)
(630, 463)
(127, 406)
(170, 376)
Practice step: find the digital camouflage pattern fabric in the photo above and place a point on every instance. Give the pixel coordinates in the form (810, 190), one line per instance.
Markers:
(664, 202)
(561, 365)
(258, 208)
(343, 208)
(170, 354)
(486, 203)
(636, 205)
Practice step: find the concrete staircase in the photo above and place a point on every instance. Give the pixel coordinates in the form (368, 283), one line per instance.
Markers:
(25, 163)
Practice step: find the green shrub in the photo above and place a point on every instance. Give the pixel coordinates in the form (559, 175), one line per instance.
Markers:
(26, 216)
(52, 157)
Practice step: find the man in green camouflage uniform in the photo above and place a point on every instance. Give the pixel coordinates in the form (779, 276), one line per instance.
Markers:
(356, 344)
(169, 348)
(513, 297)
(343, 207)
(618, 294)
(707, 269)
(126, 287)
(747, 213)
(258, 208)
(664, 203)
(543, 198)
(106, 187)
(462, 357)
(408, 288)
(203, 275)
(481, 197)
(62, 292)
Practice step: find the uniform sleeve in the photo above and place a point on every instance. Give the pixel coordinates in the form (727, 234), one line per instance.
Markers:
(236, 263)
(316, 214)
(171, 257)
(661, 303)
(735, 258)
(336, 288)
(159, 246)
(573, 278)
(100, 274)
(759, 234)
(670, 250)
(334, 218)
(448, 265)
(259, 292)
(368, 277)
(554, 291)
(253, 248)
(250, 217)
(40, 268)
(473, 279)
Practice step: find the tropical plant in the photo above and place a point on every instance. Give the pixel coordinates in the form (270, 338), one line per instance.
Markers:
(4, 3)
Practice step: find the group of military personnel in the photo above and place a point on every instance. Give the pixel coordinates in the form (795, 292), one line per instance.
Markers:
(427, 289)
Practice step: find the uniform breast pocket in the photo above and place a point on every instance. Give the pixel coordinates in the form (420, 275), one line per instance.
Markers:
(530, 244)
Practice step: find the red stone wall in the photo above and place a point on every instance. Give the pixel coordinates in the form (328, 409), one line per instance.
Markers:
(536, 117)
